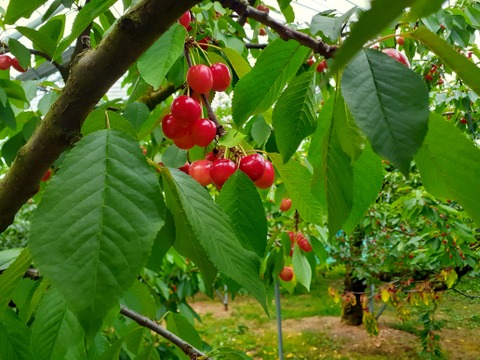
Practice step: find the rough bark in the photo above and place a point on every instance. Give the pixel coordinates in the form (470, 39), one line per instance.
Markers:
(91, 75)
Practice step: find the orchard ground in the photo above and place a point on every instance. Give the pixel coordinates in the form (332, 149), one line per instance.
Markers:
(312, 328)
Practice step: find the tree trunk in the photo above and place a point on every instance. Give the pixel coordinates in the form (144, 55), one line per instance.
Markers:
(353, 314)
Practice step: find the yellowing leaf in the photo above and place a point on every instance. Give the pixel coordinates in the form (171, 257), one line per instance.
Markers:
(385, 295)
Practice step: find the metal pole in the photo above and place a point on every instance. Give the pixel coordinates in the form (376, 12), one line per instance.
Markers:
(279, 321)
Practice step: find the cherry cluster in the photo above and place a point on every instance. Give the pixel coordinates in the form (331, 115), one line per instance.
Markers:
(185, 125)
(301, 240)
(6, 62)
(216, 171)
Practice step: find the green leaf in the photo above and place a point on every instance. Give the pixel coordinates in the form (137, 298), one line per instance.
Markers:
(20, 52)
(338, 177)
(21, 8)
(139, 299)
(464, 68)
(104, 119)
(240, 64)
(186, 240)
(389, 103)
(10, 277)
(350, 136)
(260, 130)
(241, 201)
(329, 26)
(136, 113)
(8, 256)
(149, 353)
(297, 180)
(301, 267)
(174, 157)
(423, 8)
(206, 226)
(164, 241)
(13, 89)
(55, 329)
(181, 327)
(45, 39)
(11, 146)
(157, 61)
(258, 90)
(450, 165)
(294, 116)
(381, 14)
(7, 116)
(367, 183)
(93, 251)
(14, 337)
(86, 15)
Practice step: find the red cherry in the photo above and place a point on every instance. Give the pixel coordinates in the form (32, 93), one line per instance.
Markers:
(253, 165)
(16, 65)
(211, 156)
(185, 110)
(203, 43)
(303, 243)
(221, 76)
(310, 61)
(185, 167)
(400, 41)
(221, 170)
(286, 274)
(171, 128)
(286, 204)
(428, 77)
(5, 62)
(200, 171)
(464, 121)
(267, 178)
(322, 66)
(200, 79)
(185, 142)
(47, 175)
(196, 96)
(186, 19)
(262, 32)
(397, 55)
(203, 132)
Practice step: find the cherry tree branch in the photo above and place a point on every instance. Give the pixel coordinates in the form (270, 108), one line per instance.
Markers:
(141, 320)
(91, 75)
(242, 8)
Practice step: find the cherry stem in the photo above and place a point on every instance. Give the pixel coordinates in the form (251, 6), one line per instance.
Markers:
(211, 114)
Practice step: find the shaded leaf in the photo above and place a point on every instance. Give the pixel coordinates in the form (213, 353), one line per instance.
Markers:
(329, 26)
(10, 277)
(258, 90)
(181, 327)
(294, 116)
(55, 329)
(449, 164)
(14, 337)
(301, 267)
(21, 8)
(389, 103)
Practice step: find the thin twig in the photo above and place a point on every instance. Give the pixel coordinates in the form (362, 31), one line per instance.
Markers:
(466, 295)
(286, 33)
(141, 320)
